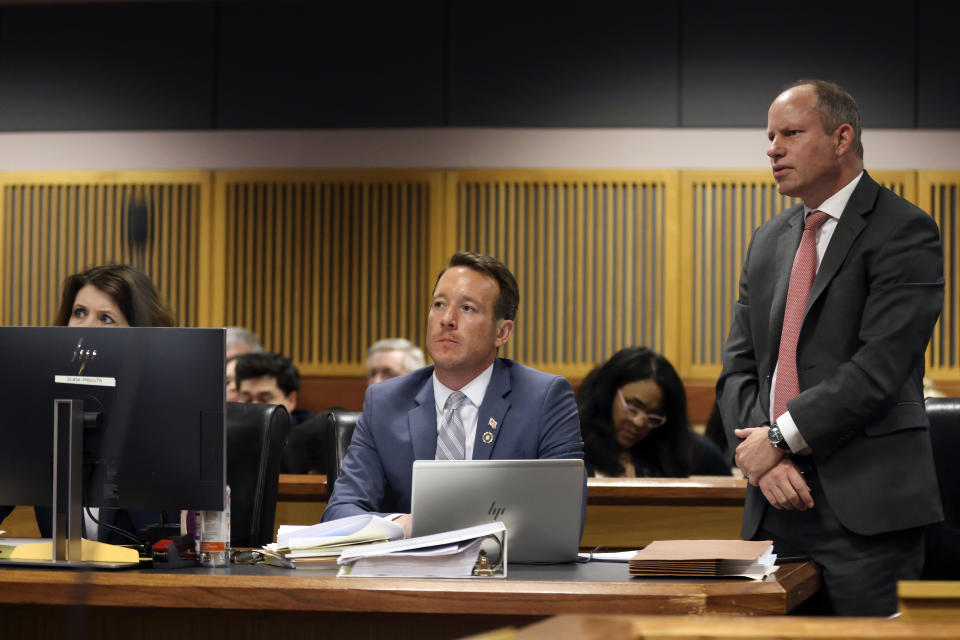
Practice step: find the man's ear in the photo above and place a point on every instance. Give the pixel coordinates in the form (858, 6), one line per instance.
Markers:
(843, 139)
(504, 331)
(292, 400)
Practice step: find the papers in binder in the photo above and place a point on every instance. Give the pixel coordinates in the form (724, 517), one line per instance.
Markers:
(705, 558)
(299, 545)
(463, 553)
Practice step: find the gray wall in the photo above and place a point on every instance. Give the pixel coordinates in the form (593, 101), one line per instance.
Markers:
(288, 65)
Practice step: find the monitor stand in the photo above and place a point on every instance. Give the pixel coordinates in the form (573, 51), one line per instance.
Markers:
(68, 494)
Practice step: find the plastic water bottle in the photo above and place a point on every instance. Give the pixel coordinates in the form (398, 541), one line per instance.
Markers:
(213, 541)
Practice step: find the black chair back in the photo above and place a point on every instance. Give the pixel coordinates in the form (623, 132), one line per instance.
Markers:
(256, 435)
(340, 425)
(306, 450)
(943, 539)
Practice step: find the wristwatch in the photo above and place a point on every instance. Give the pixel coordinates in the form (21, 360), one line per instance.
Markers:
(776, 438)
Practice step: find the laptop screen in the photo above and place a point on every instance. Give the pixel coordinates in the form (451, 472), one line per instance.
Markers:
(539, 501)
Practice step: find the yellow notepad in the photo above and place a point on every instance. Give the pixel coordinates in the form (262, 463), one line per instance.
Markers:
(90, 551)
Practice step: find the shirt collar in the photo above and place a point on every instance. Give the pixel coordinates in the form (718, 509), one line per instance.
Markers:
(474, 390)
(835, 204)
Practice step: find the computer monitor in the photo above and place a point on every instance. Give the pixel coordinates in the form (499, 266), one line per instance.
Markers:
(152, 401)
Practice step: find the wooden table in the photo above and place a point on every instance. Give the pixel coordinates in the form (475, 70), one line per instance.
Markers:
(929, 600)
(255, 601)
(624, 513)
(588, 627)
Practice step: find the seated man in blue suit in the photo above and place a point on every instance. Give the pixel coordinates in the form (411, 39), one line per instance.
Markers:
(500, 409)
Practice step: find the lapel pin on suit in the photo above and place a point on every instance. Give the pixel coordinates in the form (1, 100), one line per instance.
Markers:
(492, 423)
(487, 437)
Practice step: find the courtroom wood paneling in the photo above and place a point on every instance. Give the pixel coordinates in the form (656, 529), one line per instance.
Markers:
(629, 513)
(55, 224)
(633, 527)
(593, 253)
(320, 264)
(720, 211)
(939, 194)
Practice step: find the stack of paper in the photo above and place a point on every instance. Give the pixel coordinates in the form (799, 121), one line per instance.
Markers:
(454, 554)
(301, 546)
(705, 558)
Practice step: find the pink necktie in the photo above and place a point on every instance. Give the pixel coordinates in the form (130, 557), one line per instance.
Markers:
(801, 281)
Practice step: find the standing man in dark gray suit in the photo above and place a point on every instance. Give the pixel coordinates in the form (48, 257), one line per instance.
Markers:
(822, 370)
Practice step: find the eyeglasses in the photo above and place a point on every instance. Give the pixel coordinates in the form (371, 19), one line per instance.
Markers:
(652, 420)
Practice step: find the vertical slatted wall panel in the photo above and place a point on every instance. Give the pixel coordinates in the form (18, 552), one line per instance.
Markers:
(320, 264)
(939, 194)
(593, 252)
(56, 224)
(720, 211)
(903, 183)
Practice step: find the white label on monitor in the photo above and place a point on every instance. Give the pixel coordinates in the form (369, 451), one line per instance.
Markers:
(86, 380)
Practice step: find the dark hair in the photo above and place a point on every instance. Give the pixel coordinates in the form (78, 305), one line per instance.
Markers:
(131, 290)
(270, 365)
(670, 446)
(836, 107)
(508, 298)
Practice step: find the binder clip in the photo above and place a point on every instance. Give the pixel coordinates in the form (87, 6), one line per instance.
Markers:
(482, 567)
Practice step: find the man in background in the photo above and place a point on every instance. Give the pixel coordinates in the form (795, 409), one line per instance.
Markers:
(269, 378)
(238, 342)
(391, 358)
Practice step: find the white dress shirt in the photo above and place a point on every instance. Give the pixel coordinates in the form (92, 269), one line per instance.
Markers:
(468, 409)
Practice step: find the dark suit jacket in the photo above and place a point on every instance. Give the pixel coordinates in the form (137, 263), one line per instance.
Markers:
(535, 413)
(860, 357)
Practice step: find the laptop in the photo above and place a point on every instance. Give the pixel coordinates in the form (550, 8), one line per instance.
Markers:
(539, 501)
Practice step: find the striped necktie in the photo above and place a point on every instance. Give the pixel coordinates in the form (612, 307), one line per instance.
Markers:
(450, 440)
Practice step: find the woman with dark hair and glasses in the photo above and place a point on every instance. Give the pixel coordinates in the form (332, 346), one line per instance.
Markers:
(633, 417)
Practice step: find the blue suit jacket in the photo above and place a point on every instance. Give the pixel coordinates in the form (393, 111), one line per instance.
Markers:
(535, 414)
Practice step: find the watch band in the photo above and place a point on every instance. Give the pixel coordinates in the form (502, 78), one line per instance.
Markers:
(776, 438)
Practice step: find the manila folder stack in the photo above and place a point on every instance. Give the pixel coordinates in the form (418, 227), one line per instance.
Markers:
(705, 558)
